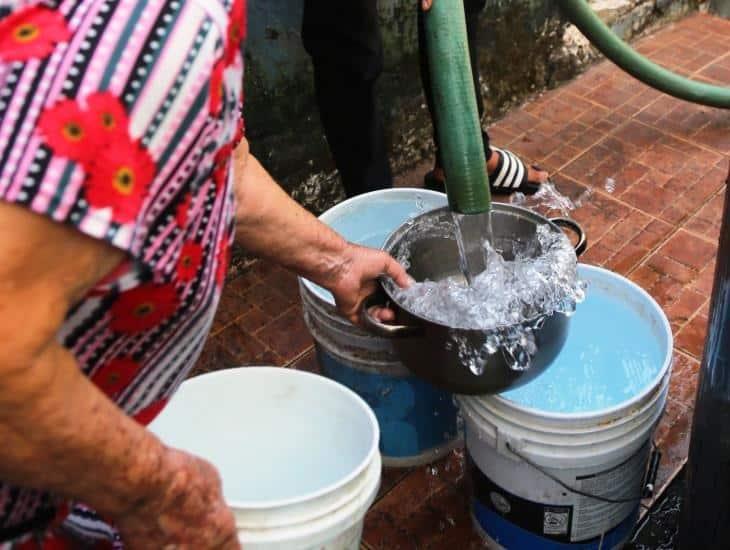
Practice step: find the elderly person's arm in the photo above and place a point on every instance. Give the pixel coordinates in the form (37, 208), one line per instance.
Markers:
(61, 433)
(273, 226)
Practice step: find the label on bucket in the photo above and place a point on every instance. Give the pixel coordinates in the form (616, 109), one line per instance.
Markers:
(562, 517)
(622, 482)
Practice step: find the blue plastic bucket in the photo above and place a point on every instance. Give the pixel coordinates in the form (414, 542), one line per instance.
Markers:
(418, 422)
(561, 462)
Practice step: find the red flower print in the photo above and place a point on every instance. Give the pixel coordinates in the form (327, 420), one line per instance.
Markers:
(149, 413)
(183, 211)
(67, 131)
(222, 164)
(115, 375)
(236, 32)
(191, 256)
(223, 258)
(217, 90)
(143, 307)
(107, 115)
(119, 179)
(31, 33)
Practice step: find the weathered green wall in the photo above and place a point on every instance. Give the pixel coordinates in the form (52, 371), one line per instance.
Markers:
(720, 7)
(524, 49)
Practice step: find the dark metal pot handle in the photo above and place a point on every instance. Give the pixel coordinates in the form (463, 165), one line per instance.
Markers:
(382, 329)
(582, 243)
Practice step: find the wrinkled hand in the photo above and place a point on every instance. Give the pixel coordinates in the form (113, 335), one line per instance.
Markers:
(356, 279)
(187, 513)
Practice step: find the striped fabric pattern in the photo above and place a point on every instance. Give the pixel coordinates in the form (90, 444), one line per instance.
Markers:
(118, 118)
(511, 172)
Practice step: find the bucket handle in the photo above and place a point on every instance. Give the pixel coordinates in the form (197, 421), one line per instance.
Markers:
(376, 326)
(575, 227)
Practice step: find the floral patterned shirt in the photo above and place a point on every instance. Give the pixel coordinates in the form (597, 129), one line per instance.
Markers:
(118, 118)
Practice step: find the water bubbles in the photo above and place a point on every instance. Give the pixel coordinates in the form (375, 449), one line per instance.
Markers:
(476, 366)
(491, 343)
(507, 302)
(610, 185)
(507, 292)
(583, 197)
(549, 197)
(518, 199)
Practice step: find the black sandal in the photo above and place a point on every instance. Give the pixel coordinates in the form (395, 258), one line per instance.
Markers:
(509, 176)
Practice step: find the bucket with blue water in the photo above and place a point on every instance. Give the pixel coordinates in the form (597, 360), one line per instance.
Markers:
(418, 422)
(564, 461)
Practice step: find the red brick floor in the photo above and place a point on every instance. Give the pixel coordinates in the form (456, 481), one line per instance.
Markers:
(660, 226)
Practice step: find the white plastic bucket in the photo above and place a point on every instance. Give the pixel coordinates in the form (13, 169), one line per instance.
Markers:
(297, 453)
(516, 453)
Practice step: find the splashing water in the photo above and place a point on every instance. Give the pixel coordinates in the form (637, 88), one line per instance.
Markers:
(518, 198)
(550, 198)
(470, 231)
(508, 301)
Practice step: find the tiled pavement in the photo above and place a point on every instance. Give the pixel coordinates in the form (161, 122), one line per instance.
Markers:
(659, 227)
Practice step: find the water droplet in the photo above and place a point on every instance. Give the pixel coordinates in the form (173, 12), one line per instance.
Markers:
(583, 197)
(518, 198)
(610, 185)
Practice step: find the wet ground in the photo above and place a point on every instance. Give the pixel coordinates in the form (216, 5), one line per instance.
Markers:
(659, 529)
(657, 222)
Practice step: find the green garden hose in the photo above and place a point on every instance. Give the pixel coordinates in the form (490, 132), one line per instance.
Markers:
(455, 108)
(615, 49)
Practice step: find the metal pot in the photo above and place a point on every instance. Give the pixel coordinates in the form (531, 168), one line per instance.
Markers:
(424, 345)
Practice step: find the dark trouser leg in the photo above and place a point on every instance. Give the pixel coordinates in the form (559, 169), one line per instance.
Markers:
(472, 9)
(343, 39)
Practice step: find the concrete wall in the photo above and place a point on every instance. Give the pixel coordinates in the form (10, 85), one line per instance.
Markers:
(720, 7)
(526, 47)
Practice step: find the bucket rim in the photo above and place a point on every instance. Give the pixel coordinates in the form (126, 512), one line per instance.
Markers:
(332, 487)
(324, 217)
(615, 409)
